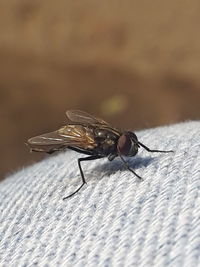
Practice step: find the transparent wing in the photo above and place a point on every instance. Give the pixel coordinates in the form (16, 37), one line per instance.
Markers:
(69, 135)
(84, 117)
(52, 138)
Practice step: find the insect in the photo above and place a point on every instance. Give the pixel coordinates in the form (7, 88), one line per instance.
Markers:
(91, 136)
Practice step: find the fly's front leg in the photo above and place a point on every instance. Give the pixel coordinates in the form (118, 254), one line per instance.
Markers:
(154, 150)
(129, 168)
(82, 174)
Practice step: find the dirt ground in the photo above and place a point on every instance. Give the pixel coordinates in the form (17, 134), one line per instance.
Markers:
(133, 63)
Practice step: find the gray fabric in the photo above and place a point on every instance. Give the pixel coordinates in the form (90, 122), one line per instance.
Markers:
(115, 220)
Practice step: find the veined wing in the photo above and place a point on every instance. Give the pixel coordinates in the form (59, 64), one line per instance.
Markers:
(85, 118)
(69, 135)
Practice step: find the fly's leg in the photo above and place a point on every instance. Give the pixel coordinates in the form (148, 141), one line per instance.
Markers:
(82, 174)
(128, 167)
(155, 150)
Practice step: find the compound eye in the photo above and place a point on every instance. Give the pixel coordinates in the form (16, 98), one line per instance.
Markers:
(124, 144)
(133, 137)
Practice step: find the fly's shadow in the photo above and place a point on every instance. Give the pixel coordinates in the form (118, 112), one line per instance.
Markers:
(116, 165)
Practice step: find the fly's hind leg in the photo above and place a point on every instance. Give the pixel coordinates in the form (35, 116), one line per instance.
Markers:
(82, 174)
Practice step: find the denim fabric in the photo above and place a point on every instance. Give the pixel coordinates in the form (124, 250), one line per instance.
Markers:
(116, 219)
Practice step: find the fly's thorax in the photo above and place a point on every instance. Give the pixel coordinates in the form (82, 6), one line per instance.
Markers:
(106, 140)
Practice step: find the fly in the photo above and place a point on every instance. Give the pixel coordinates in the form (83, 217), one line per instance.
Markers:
(90, 136)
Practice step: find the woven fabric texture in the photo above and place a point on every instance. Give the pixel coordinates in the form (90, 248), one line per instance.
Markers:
(116, 219)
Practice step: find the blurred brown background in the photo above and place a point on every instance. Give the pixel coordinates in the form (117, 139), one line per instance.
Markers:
(133, 63)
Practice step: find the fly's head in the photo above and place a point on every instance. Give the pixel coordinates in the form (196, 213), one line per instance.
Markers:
(127, 144)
